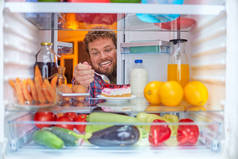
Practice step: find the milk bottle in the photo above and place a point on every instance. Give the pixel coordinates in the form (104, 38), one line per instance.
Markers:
(138, 81)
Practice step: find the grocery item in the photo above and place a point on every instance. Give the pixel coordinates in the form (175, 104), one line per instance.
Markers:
(151, 92)
(119, 135)
(178, 67)
(113, 90)
(72, 115)
(81, 118)
(19, 92)
(69, 137)
(159, 133)
(32, 89)
(107, 118)
(46, 61)
(47, 138)
(61, 79)
(138, 78)
(62, 123)
(178, 73)
(138, 81)
(196, 93)
(44, 116)
(187, 134)
(171, 93)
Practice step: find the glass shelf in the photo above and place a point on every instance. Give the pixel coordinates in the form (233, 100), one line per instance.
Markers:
(105, 21)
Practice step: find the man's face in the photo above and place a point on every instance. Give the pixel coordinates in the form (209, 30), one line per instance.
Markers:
(103, 55)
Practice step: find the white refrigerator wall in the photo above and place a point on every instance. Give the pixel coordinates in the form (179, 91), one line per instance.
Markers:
(21, 44)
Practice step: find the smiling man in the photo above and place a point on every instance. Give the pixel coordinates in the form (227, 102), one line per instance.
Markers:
(101, 47)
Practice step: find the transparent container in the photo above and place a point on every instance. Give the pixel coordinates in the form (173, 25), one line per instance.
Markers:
(46, 60)
(178, 67)
(113, 131)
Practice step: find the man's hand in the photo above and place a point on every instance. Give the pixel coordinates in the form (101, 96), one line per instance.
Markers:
(84, 74)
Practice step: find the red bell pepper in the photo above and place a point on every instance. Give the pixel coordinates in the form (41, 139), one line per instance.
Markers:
(187, 134)
(159, 133)
(81, 118)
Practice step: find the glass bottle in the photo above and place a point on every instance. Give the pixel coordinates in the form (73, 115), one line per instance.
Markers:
(46, 60)
(178, 67)
(61, 79)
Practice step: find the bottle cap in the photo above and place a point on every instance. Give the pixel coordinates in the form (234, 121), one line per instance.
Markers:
(175, 41)
(46, 43)
(138, 61)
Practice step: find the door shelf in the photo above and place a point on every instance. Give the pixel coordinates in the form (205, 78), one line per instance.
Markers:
(145, 47)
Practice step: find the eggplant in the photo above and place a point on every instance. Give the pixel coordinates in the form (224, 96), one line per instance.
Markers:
(119, 135)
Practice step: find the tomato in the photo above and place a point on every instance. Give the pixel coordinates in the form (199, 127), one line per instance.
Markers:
(44, 117)
(81, 118)
(159, 133)
(71, 115)
(187, 134)
(64, 119)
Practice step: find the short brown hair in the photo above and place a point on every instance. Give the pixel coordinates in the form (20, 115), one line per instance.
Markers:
(97, 34)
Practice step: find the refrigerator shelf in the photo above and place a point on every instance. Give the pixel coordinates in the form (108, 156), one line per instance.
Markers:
(62, 7)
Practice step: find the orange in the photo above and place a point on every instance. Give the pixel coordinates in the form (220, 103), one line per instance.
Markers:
(171, 93)
(151, 92)
(196, 93)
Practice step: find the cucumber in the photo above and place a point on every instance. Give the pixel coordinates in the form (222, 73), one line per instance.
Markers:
(47, 138)
(106, 118)
(69, 137)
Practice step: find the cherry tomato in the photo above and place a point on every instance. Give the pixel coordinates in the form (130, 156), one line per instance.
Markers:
(159, 133)
(65, 119)
(44, 116)
(71, 115)
(81, 118)
(187, 134)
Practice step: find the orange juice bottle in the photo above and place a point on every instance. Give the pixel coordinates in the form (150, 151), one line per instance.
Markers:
(178, 67)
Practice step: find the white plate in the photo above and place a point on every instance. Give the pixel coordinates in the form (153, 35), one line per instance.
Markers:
(116, 98)
(116, 107)
(73, 94)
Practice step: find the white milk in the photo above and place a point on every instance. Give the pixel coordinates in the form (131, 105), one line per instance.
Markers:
(138, 81)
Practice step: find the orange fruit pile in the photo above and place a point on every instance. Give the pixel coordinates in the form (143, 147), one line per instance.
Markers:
(171, 93)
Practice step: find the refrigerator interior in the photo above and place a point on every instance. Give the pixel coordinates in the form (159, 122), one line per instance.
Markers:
(206, 46)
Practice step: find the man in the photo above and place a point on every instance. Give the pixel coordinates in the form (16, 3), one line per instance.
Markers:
(101, 47)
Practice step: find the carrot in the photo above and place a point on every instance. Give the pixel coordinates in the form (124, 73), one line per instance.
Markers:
(38, 76)
(46, 93)
(33, 90)
(26, 92)
(51, 90)
(40, 93)
(19, 92)
(12, 84)
(54, 81)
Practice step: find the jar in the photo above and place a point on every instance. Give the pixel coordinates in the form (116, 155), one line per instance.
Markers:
(46, 60)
